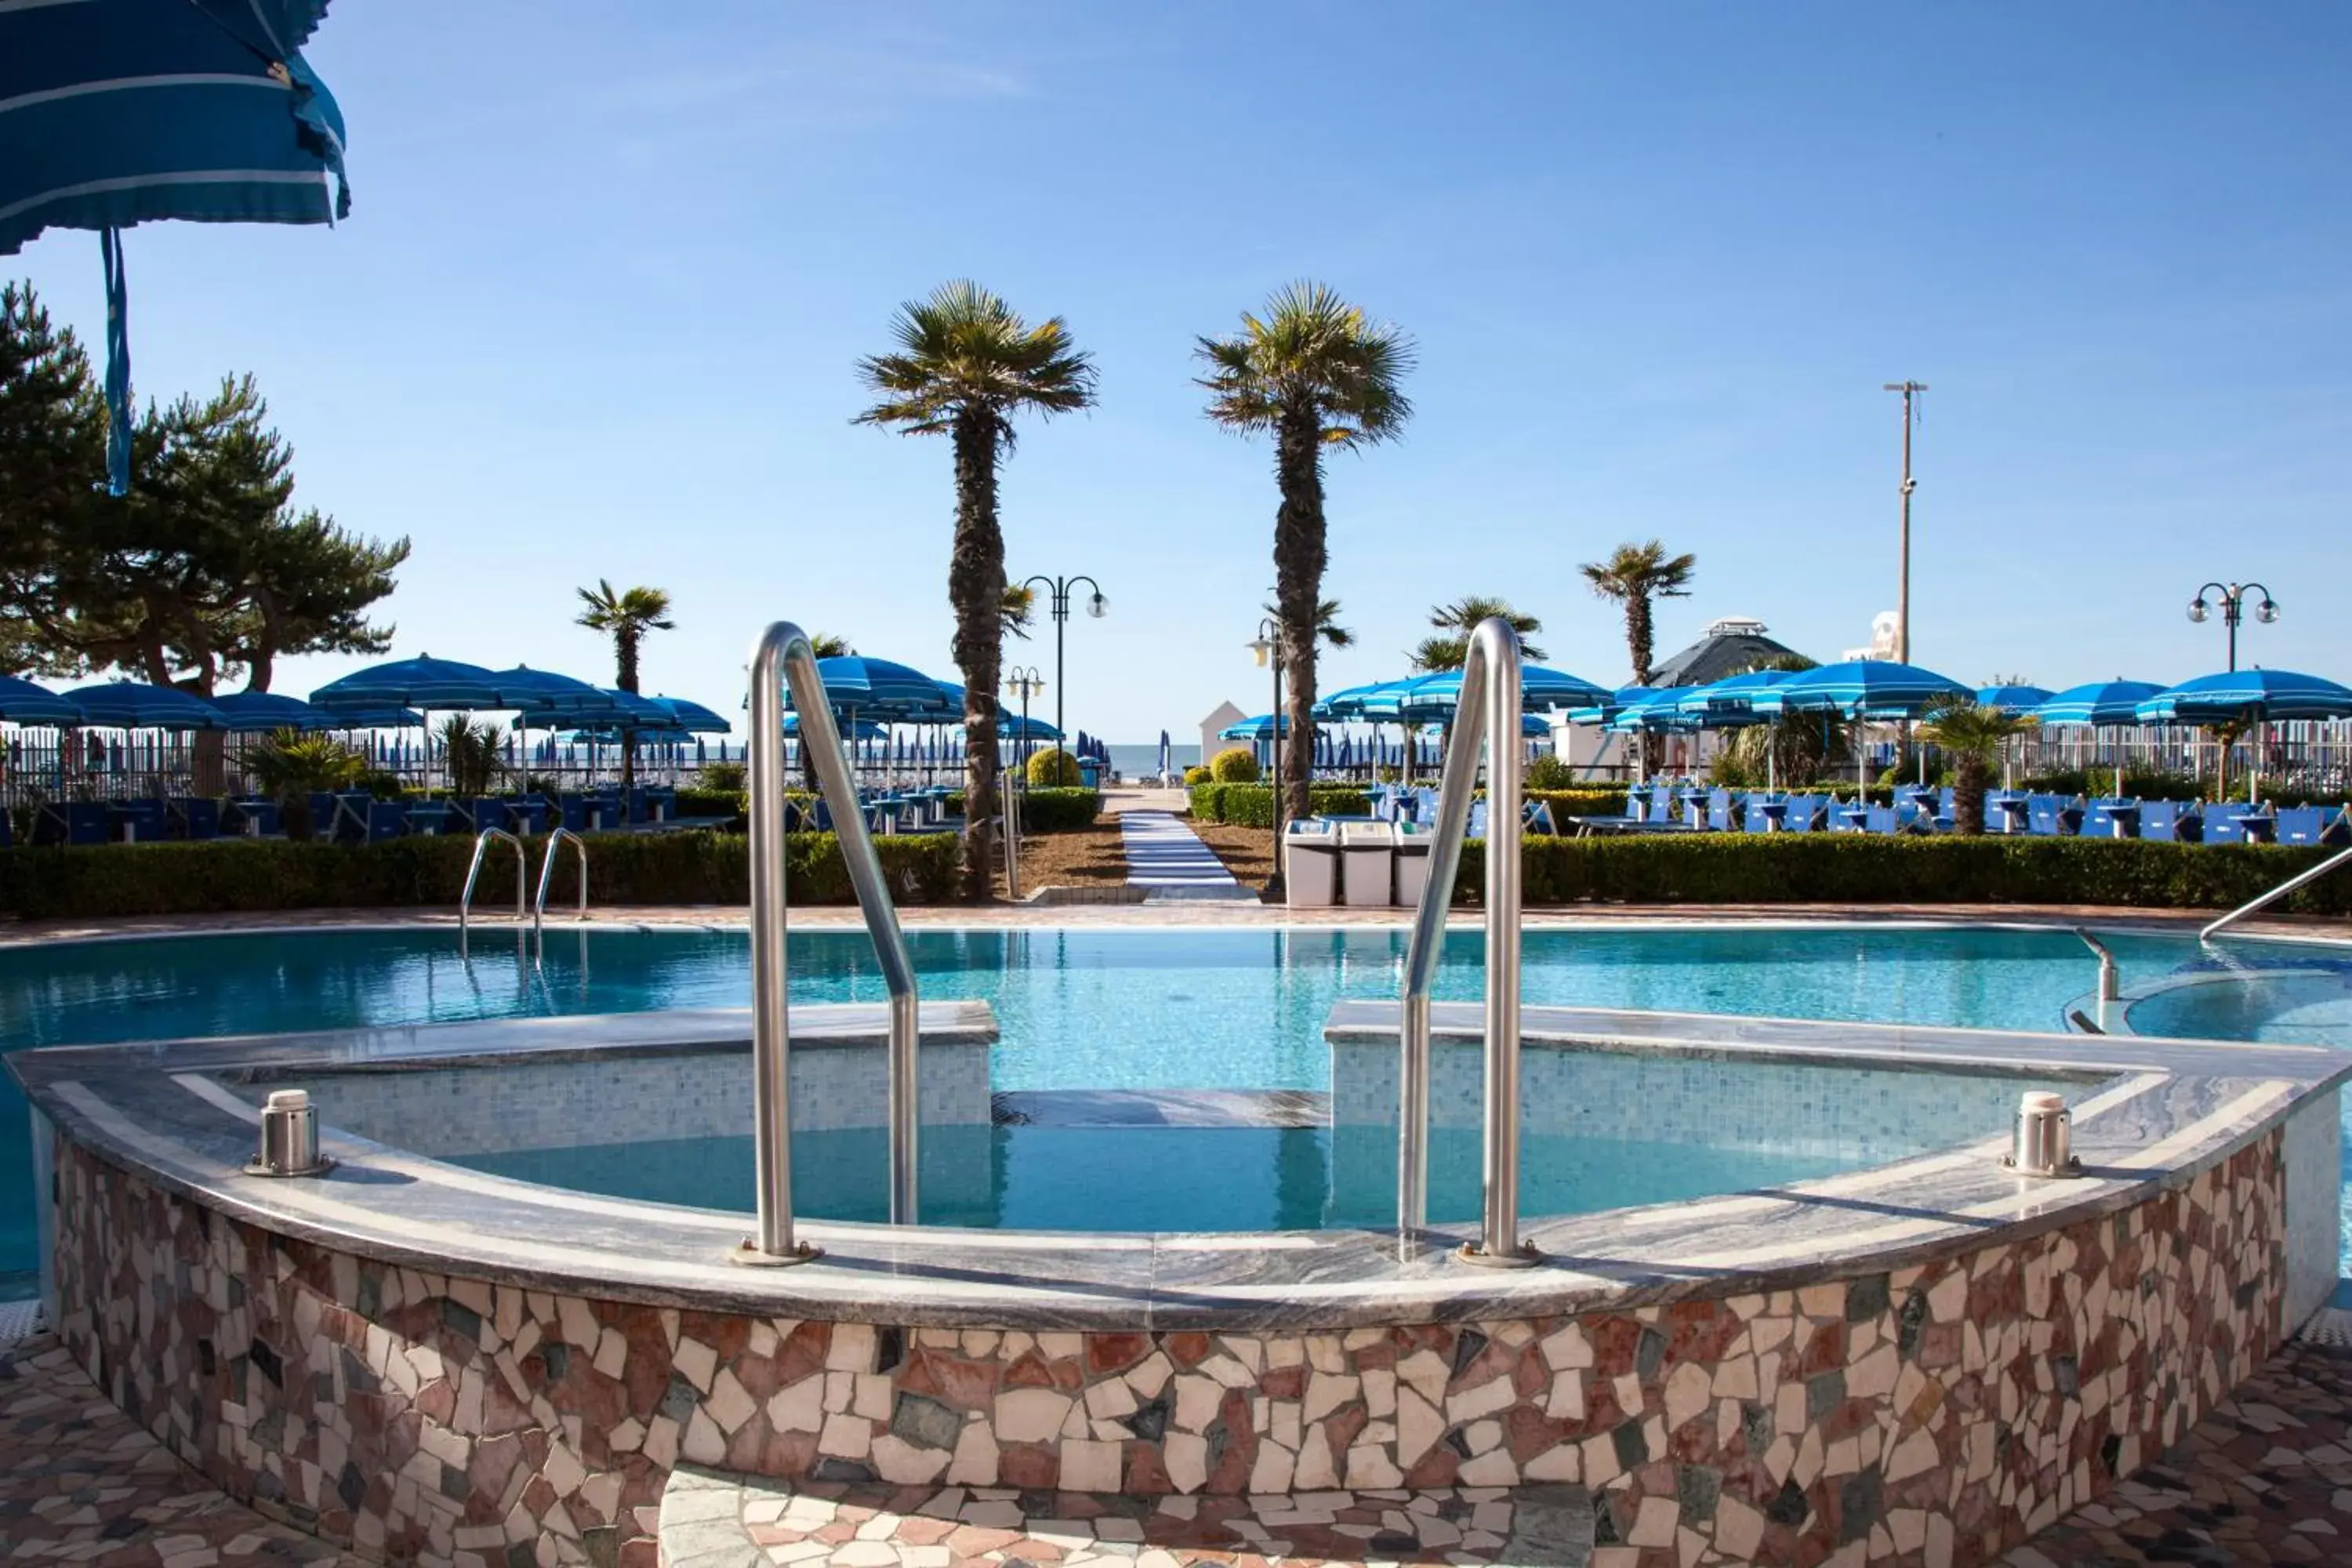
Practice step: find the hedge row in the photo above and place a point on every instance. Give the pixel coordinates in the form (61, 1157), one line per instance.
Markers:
(1867, 869)
(234, 874)
(1252, 805)
(1055, 808)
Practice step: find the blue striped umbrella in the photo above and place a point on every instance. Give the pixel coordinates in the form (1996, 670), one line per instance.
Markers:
(125, 111)
(1867, 689)
(1658, 709)
(2013, 699)
(878, 687)
(252, 713)
(2250, 696)
(693, 717)
(1349, 703)
(385, 718)
(421, 682)
(863, 730)
(2099, 702)
(22, 702)
(1607, 705)
(1736, 701)
(1260, 728)
(1436, 695)
(134, 705)
(544, 694)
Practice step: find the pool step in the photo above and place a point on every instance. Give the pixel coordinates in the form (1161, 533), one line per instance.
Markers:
(1162, 1107)
(711, 1519)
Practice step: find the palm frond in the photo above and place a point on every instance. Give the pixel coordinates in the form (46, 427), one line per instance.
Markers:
(964, 352)
(1314, 354)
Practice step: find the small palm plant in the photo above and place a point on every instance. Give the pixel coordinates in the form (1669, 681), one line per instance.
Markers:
(1455, 623)
(966, 364)
(1971, 734)
(1316, 374)
(291, 767)
(471, 755)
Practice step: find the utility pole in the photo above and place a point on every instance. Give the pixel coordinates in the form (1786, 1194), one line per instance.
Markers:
(1909, 389)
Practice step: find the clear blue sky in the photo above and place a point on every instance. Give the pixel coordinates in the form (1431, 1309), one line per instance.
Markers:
(609, 266)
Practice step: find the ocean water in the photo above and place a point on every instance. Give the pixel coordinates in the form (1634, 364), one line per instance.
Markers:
(1133, 762)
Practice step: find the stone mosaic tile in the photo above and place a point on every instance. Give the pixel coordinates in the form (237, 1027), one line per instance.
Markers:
(1933, 1415)
(79, 1483)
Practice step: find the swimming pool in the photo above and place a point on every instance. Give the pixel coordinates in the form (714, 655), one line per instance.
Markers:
(1079, 1008)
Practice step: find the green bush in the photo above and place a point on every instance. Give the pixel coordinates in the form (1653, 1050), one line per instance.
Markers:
(727, 778)
(1235, 764)
(1056, 810)
(1054, 769)
(1195, 776)
(710, 801)
(1252, 805)
(1867, 869)
(1580, 802)
(233, 875)
(1551, 771)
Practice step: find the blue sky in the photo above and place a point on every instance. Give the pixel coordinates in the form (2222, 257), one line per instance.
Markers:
(609, 266)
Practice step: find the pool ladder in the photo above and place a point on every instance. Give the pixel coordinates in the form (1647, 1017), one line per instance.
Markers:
(537, 909)
(1486, 710)
(783, 656)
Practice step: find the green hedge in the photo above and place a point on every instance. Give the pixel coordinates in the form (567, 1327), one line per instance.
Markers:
(232, 875)
(1048, 809)
(1252, 805)
(710, 802)
(1871, 869)
(1581, 802)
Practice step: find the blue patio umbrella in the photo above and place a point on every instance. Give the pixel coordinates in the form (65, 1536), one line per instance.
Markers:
(253, 712)
(134, 705)
(1605, 706)
(1349, 703)
(1435, 696)
(1262, 728)
(693, 717)
(2247, 696)
(2099, 702)
(388, 717)
(1535, 726)
(1658, 709)
(126, 111)
(23, 702)
(1867, 689)
(422, 682)
(863, 729)
(1736, 701)
(545, 694)
(853, 683)
(1013, 727)
(2012, 698)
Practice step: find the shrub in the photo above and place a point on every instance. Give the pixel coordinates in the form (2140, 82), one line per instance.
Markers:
(1252, 805)
(1865, 869)
(1054, 769)
(1235, 764)
(1565, 803)
(1550, 771)
(1047, 810)
(708, 800)
(289, 767)
(727, 778)
(1195, 776)
(234, 874)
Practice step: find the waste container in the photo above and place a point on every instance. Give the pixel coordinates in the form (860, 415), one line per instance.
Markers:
(1091, 772)
(1367, 853)
(1412, 865)
(1310, 864)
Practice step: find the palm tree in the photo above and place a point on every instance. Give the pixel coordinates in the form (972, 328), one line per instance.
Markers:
(626, 617)
(1327, 623)
(825, 644)
(1019, 609)
(1972, 735)
(1633, 576)
(965, 365)
(1456, 621)
(1316, 372)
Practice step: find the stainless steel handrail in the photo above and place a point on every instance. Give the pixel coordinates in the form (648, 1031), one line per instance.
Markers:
(783, 655)
(547, 880)
(2281, 892)
(2111, 979)
(1486, 710)
(482, 842)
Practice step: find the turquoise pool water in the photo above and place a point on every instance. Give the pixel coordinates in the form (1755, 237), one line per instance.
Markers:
(1134, 1008)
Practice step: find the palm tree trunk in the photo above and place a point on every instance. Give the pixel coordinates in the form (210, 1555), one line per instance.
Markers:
(1638, 643)
(1969, 778)
(1299, 558)
(976, 592)
(624, 676)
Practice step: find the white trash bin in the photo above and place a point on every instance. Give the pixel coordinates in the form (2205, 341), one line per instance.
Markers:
(1368, 855)
(1411, 864)
(1310, 864)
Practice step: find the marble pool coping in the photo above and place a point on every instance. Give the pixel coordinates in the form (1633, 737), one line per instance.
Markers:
(2151, 1114)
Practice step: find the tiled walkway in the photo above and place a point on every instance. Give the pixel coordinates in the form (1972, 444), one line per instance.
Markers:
(2267, 1479)
(1165, 857)
(78, 1483)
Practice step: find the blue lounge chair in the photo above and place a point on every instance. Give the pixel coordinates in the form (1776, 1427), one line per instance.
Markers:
(2221, 824)
(141, 821)
(63, 822)
(1806, 813)
(1718, 811)
(1881, 820)
(528, 813)
(1537, 818)
(2041, 816)
(250, 817)
(1477, 828)
(194, 817)
(361, 819)
(2330, 825)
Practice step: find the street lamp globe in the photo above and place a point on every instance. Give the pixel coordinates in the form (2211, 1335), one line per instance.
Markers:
(1099, 606)
(2267, 611)
(2198, 610)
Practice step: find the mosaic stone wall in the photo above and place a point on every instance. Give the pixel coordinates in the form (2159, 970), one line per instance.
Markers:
(1929, 1416)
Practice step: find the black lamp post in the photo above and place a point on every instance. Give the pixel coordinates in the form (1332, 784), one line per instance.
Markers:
(2233, 608)
(1097, 606)
(1267, 646)
(1023, 684)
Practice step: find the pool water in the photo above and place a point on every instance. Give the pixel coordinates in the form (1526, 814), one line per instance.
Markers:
(1100, 1008)
(1150, 1178)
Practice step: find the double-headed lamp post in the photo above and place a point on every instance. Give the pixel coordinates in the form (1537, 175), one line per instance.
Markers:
(1267, 646)
(2233, 608)
(1023, 684)
(1097, 606)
